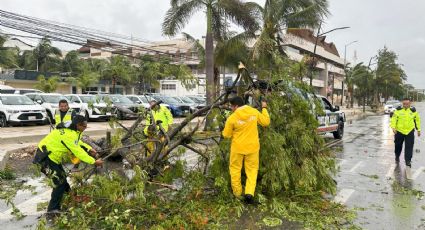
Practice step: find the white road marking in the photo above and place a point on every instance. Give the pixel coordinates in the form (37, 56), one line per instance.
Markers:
(390, 171)
(353, 169)
(28, 207)
(417, 173)
(343, 196)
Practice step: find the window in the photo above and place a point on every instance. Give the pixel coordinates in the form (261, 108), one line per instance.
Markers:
(326, 104)
(168, 86)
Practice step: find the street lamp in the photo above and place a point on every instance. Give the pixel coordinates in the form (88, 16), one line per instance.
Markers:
(345, 66)
(315, 47)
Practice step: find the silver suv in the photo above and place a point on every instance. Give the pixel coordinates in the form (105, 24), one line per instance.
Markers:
(19, 109)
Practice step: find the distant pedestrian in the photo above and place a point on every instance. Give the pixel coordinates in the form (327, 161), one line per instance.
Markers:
(404, 122)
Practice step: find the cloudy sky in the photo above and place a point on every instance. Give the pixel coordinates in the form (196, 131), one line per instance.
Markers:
(397, 24)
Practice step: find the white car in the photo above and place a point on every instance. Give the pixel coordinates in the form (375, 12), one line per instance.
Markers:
(140, 99)
(50, 101)
(91, 106)
(391, 106)
(19, 109)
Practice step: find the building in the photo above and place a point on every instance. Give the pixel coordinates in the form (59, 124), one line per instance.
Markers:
(329, 72)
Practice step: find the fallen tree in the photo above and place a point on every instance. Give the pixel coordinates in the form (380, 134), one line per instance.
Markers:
(161, 192)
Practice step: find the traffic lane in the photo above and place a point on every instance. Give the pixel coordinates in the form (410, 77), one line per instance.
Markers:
(370, 182)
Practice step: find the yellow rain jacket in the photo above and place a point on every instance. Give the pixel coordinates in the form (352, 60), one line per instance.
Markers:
(163, 114)
(241, 126)
(60, 142)
(405, 120)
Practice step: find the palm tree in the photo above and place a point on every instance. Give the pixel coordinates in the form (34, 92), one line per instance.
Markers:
(217, 14)
(279, 15)
(118, 70)
(85, 77)
(227, 53)
(45, 52)
(8, 56)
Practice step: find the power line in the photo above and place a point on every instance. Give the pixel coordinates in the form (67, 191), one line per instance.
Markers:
(78, 35)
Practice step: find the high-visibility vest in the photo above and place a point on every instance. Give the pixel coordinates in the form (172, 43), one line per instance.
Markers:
(67, 119)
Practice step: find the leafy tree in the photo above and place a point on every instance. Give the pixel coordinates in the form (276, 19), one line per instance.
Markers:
(27, 61)
(46, 55)
(85, 76)
(47, 85)
(389, 74)
(277, 16)
(362, 77)
(217, 12)
(72, 63)
(150, 71)
(228, 53)
(118, 70)
(8, 56)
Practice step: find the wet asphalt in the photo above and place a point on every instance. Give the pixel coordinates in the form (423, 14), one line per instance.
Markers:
(370, 182)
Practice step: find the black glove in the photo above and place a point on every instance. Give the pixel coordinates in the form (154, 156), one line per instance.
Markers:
(158, 122)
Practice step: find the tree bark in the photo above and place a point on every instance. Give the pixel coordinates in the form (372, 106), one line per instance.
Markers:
(209, 57)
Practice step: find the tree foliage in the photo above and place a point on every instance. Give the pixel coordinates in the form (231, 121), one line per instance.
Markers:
(47, 85)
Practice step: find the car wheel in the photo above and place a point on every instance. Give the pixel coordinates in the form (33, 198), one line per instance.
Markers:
(339, 133)
(3, 121)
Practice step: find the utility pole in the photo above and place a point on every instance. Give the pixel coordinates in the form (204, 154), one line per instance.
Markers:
(315, 47)
(345, 68)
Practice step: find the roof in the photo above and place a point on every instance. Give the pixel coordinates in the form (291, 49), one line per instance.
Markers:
(309, 36)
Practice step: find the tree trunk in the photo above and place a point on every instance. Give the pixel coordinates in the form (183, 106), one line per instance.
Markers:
(216, 82)
(209, 57)
(114, 82)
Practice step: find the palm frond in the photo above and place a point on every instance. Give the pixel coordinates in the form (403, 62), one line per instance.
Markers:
(178, 15)
(240, 13)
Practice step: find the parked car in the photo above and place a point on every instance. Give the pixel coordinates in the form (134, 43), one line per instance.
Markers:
(177, 109)
(95, 92)
(391, 106)
(91, 106)
(120, 101)
(187, 101)
(200, 100)
(19, 91)
(50, 101)
(140, 99)
(19, 109)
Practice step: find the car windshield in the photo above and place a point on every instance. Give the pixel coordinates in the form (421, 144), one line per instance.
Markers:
(88, 98)
(187, 100)
(16, 100)
(392, 103)
(120, 99)
(169, 100)
(53, 98)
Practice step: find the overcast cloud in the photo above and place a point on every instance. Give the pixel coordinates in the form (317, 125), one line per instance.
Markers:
(397, 24)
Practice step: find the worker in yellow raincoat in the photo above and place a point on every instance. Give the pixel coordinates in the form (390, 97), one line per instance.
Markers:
(242, 127)
(162, 116)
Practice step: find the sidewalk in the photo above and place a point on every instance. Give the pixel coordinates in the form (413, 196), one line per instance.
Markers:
(356, 113)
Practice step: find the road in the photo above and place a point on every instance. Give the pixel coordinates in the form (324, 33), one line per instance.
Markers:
(370, 182)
